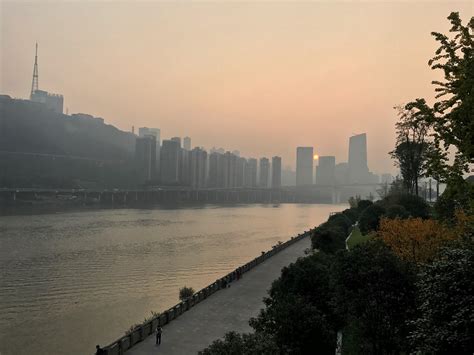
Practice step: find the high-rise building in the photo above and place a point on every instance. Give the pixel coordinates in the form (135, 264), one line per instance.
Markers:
(145, 131)
(145, 158)
(341, 173)
(326, 170)
(177, 139)
(240, 172)
(230, 165)
(214, 164)
(169, 162)
(198, 167)
(358, 170)
(187, 143)
(276, 172)
(304, 166)
(264, 172)
(250, 179)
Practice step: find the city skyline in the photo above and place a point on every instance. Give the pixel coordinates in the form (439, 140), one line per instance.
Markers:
(231, 88)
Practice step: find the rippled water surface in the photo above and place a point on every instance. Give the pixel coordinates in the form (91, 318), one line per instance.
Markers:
(69, 281)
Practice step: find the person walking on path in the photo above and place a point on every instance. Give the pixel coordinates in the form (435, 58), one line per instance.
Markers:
(158, 332)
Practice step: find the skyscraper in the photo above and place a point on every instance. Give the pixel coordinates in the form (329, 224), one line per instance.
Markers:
(326, 170)
(358, 171)
(177, 139)
(187, 143)
(145, 131)
(264, 172)
(170, 153)
(304, 166)
(145, 158)
(198, 167)
(250, 173)
(276, 172)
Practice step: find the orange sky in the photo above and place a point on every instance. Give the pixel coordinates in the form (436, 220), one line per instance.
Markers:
(259, 77)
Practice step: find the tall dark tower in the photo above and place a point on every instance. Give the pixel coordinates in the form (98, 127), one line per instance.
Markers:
(34, 82)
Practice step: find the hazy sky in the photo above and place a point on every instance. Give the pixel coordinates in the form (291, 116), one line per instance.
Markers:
(259, 77)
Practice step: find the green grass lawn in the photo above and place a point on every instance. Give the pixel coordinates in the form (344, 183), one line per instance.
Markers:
(356, 238)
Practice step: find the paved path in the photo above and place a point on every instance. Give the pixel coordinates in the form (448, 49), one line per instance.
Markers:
(225, 310)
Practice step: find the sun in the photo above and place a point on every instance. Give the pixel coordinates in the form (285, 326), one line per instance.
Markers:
(315, 157)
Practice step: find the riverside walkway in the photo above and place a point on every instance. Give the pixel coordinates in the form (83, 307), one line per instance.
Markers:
(224, 311)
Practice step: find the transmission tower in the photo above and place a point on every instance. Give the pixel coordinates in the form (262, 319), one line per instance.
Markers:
(34, 82)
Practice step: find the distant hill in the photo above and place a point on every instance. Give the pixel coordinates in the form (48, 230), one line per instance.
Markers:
(39, 147)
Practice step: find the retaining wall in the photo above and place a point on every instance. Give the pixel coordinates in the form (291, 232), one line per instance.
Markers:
(119, 346)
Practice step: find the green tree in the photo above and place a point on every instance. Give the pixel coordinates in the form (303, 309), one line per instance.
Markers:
(374, 292)
(446, 304)
(452, 116)
(412, 147)
(369, 219)
(299, 313)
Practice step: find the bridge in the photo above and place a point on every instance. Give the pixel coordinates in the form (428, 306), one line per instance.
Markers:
(168, 194)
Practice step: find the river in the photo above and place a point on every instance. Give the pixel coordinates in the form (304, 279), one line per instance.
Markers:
(69, 281)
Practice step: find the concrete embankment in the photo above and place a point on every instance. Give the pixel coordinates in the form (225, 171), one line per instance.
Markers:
(192, 325)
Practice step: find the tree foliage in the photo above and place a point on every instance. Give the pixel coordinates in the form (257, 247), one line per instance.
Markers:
(299, 313)
(370, 218)
(412, 147)
(242, 344)
(452, 115)
(446, 302)
(375, 294)
(414, 239)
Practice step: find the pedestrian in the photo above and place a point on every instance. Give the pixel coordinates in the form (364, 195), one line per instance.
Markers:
(158, 333)
(99, 350)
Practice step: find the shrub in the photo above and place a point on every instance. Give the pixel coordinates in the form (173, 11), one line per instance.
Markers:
(328, 238)
(396, 211)
(242, 344)
(185, 293)
(414, 239)
(363, 204)
(369, 219)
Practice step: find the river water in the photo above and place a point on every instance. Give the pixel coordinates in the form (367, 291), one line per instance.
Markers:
(69, 281)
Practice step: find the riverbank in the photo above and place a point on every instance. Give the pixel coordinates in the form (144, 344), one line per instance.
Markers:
(232, 301)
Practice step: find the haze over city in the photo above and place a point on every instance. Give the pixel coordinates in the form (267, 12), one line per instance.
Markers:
(261, 78)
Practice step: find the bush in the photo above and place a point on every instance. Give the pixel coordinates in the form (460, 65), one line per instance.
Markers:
(459, 195)
(185, 293)
(369, 219)
(396, 211)
(242, 344)
(415, 206)
(352, 214)
(363, 204)
(339, 220)
(414, 239)
(328, 238)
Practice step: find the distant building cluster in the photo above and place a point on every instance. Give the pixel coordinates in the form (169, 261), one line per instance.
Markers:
(353, 172)
(173, 162)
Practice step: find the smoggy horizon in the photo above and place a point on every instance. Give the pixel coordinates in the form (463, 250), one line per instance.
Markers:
(261, 78)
